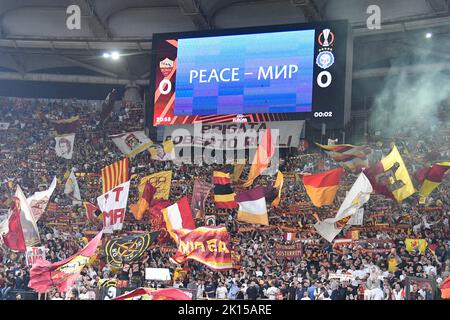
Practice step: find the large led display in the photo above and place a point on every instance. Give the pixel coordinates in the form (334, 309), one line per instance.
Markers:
(291, 72)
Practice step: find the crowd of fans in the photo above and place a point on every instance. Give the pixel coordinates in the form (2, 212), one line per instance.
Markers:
(28, 159)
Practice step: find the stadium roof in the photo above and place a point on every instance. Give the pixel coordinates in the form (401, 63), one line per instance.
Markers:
(35, 43)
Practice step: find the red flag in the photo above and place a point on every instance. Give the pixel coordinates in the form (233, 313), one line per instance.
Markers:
(92, 212)
(162, 294)
(144, 202)
(45, 275)
(14, 238)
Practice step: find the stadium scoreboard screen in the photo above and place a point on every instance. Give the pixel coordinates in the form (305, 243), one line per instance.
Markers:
(290, 72)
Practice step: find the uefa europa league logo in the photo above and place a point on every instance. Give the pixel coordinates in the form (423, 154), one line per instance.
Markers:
(326, 35)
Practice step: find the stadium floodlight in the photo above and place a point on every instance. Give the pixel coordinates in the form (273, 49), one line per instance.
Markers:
(428, 35)
(115, 55)
(106, 55)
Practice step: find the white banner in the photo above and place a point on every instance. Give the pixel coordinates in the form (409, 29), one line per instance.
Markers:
(131, 143)
(4, 125)
(64, 145)
(358, 218)
(113, 205)
(233, 135)
(39, 200)
(72, 190)
(162, 274)
(35, 253)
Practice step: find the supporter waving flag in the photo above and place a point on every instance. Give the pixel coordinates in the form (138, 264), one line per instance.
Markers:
(264, 153)
(352, 158)
(322, 187)
(430, 178)
(178, 216)
(62, 275)
(252, 206)
(224, 197)
(355, 199)
(115, 174)
(390, 177)
(207, 245)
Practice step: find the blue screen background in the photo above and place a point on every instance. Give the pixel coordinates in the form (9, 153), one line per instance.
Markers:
(248, 53)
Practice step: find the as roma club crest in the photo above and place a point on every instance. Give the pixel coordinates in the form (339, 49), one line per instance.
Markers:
(128, 249)
(166, 66)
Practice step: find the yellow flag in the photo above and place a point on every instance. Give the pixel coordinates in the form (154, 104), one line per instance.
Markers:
(237, 171)
(400, 182)
(161, 181)
(416, 244)
(278, 185)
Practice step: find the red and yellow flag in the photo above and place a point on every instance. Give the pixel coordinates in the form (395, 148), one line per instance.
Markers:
(115, 174)
(138, 209)
(322, 187)
(431, 178)
(207, 245)
(445, 289)
(262, 158)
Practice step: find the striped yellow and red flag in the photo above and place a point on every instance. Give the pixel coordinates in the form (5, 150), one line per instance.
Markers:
(352, 158)
(115, 174)
(322, 187)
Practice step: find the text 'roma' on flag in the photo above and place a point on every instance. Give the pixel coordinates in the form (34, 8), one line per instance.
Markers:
(115, 174)
(322, 187)
(224, 196)
(430, 178)
(62, 274)
(264, 153)
(252, 206)
(207, 245)
(390, 177)
(352, 158)
(178, 216)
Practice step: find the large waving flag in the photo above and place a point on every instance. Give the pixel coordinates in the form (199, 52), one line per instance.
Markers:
(224, 197)
(39, 200)
(72, 190)
(11, 229)
(264, 153)
(62, 275)
(128, 249)
(178, 216)
(144, 202)
(207, 245)
(27, 220)
(161, 181)
(161, 294)
(390, 177)
(67, 125)
(199, 196)
(93, 213)
(352, 158)
(131, 143)
(278, 186)
(355, 199)
(113, 205)
(430, 178)
(322, 187)
(252, 206)
(115, 174)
